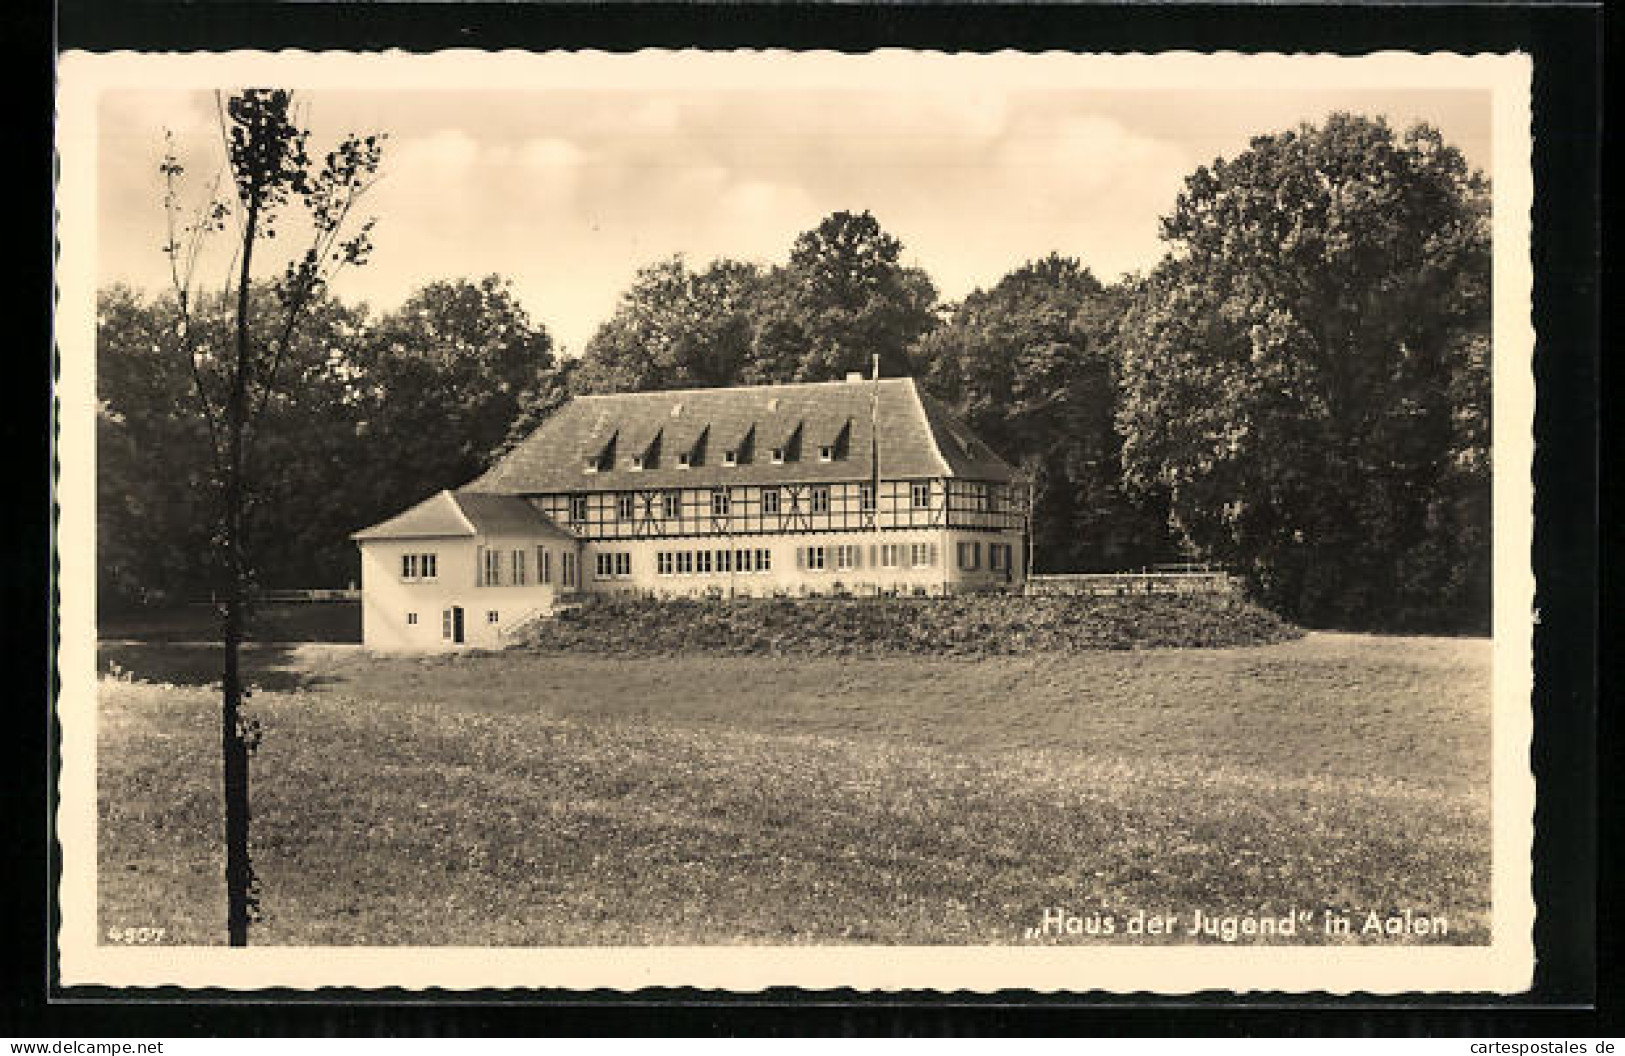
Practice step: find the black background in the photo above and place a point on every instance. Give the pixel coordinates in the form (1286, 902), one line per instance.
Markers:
(1577, 979)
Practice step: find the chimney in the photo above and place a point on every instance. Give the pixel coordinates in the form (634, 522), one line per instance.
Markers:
(854, 375)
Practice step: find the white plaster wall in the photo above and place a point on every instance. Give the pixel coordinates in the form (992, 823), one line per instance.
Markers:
(386, 600)
(945, 575)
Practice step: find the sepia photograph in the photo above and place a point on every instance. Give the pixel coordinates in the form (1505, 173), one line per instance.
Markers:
(747, 519)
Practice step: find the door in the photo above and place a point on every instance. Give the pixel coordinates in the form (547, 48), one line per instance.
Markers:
(457, 624)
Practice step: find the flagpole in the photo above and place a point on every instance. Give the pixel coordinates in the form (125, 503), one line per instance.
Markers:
(874, 469)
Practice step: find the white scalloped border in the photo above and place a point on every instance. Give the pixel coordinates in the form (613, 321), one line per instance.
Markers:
(1505, 966)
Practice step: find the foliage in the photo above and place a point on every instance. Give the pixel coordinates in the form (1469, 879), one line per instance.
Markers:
(842, 298)
(441, 382)
(1028, 364)
(157, 489)
(1306, 375)
(675, 328)
(153, 527)
(374, 413)
(966, 625)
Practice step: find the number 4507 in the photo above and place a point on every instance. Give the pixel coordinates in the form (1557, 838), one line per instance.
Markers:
(135, 936)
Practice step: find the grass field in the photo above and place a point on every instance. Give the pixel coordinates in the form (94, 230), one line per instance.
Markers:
(557, 800)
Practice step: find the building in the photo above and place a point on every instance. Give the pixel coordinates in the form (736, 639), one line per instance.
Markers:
(829, 488)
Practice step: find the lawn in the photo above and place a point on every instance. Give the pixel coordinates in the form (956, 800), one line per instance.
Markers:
(545, 799)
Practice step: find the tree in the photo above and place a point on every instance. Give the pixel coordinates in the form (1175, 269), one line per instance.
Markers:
(1028, 364)
(843, 298)
(1306, 374)
(154, 467)
(441, 381)
(237, 374)
(675, 328)
(151, 470)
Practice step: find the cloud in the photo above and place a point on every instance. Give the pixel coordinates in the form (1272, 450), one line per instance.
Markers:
(446, 151)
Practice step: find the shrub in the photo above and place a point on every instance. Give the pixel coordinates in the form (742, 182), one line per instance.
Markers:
(968, 625)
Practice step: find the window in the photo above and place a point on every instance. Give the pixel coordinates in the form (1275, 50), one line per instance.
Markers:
(826, 453)
(764, 560)
(815, 559)
(778, 456)
(720, 503)
(919, 495)
(626, 506)
(663, 563)
(702, 561)
(820, 498)
(411, 619)
(671, 505)
(970, 556)
(409, 566)
(846, 557)
(920, 555)
(519, 568)
(417, 566)
(612, 565)
(544, 565)
(770, 500)
(491, 616)
(996, 559)
(891, 555)
(578, 508)
(725, 560)
(730, 458)
(741, 560)
(493, 568)
(637, 462)
(685, 562)
(682, 460)
(866, 498)
(567, 568)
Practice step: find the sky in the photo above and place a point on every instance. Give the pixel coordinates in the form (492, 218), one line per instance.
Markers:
(567, 192)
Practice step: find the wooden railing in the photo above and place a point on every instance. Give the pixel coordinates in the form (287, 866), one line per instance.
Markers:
(1120, 583)
(323, 594)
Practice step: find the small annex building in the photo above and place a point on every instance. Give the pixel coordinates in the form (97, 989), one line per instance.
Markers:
(814, 489)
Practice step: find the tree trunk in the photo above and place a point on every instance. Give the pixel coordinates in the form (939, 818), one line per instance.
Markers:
(234, 774)
(233, 744)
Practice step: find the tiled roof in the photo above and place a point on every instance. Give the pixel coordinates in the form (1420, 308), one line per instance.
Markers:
(495, 514)
(918, 438)
(464, 513)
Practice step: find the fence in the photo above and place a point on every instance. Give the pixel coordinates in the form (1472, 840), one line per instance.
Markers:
(325, 594)
(1118, 583)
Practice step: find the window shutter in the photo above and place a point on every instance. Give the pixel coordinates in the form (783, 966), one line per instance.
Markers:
(801, 557)
(857, 557)
(874, 560)
(931, 561)
(479, 566)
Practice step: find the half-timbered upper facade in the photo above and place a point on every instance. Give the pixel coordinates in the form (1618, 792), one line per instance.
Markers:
(858, 486)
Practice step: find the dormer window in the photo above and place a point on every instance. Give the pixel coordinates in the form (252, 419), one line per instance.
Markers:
(730, 458)
(826, 453)
(682, 460)
(637, 462)
(778, 456)
(591, 466)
